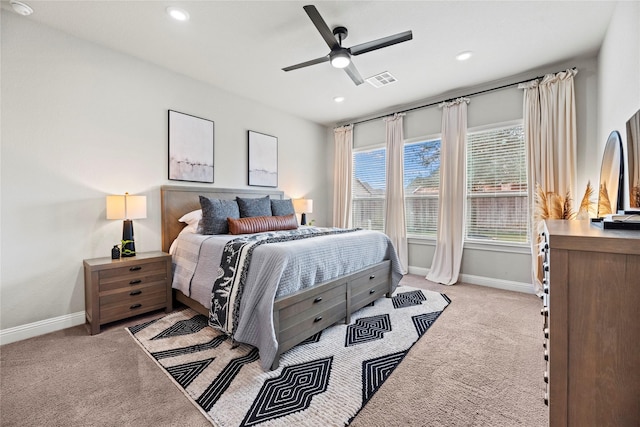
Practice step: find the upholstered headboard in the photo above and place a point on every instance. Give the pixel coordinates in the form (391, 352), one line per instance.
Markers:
(176, 201)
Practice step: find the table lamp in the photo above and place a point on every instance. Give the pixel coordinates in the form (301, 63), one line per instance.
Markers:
(127, 208)
(303, 206)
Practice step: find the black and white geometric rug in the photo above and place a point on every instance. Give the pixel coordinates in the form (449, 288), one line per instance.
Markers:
(324, 381)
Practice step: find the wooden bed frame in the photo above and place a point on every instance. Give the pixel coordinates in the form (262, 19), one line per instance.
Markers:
(297, 316)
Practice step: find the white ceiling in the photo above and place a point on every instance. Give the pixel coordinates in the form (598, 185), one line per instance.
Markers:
(242, 46)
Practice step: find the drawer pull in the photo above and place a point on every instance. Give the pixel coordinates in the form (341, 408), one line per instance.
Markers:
(138, 292)
(136, 268)
(372, 277)
(135, 282)
(317, 300)
(317, 319)
(134, 306)
(372, 291)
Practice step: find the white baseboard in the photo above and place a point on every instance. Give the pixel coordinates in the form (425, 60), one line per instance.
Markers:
(41, 327)
(491, 282)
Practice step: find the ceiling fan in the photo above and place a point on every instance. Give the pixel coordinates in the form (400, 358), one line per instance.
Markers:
(340, 57)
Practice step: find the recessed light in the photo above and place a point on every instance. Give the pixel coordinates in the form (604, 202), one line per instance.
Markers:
(178, 14)
(338, 98)
(21, 8)
(463, 56)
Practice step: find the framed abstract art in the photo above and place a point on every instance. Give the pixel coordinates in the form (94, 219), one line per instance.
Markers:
(263, 160)
(191, 143)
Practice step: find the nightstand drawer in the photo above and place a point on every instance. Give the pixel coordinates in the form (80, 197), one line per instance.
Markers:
(115, 283)
(121, 305)
(133, 271)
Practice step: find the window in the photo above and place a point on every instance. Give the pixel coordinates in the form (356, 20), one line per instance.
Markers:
(368, 189)
(421, 185)
(497, 202)
(421, 182)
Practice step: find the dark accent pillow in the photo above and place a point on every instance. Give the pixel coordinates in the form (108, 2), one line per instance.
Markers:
(254, 207)
(259, 224)
(215, 213)
(282, 207)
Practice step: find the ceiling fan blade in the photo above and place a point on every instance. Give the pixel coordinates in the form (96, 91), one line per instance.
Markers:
(353, 72)
(322, 26)
(380, 43)
(308, 63)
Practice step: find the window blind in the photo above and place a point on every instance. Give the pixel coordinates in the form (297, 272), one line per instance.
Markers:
(497, 202)
(368, 189)
(421, 183)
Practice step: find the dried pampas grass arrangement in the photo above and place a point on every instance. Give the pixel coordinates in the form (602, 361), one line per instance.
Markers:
(604, 205)
(635, 196)
(587, 208)
(550, 205)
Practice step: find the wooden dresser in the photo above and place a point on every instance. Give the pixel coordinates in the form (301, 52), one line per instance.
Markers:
(117, 289)
(592, 292)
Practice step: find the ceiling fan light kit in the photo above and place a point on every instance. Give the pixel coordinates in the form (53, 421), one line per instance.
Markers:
(340, 57)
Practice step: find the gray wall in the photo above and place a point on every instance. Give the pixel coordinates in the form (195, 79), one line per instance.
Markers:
(79, 122)
(505, 266)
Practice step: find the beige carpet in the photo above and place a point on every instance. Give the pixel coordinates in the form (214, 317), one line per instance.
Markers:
(481, 366)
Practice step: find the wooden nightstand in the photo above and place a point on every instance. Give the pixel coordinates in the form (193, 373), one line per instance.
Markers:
(116, 289)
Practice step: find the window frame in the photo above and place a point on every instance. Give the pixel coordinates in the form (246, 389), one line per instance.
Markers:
(416, 140)
(478, 243)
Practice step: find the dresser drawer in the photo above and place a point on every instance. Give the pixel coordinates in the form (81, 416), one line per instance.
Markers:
(370, 286)
(120, 305)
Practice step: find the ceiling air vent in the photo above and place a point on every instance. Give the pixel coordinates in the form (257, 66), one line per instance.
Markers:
(382, 79)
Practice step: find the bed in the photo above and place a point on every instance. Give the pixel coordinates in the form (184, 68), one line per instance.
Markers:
(275, 320)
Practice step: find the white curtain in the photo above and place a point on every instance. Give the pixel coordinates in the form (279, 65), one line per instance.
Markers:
(445, 267)
(342, 171)
(394, 219)
(550, 135)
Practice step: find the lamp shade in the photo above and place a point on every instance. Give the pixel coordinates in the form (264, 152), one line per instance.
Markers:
(126, 207)
(303, 205)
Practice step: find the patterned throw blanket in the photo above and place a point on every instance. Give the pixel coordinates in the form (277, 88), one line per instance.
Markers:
(234, 265)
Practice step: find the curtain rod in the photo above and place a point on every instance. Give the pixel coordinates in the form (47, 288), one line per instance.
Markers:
(450, 99)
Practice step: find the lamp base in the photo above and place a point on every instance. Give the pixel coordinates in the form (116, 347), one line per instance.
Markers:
(128, 245)
(303, 219)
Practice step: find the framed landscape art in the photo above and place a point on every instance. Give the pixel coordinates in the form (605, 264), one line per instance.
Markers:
(263, 160)
(191, 143)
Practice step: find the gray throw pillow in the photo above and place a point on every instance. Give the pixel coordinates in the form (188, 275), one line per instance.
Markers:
(282, 207)
(215, 213)
(254, 207)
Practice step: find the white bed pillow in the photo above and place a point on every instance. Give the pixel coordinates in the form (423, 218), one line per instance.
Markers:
(192, 219)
